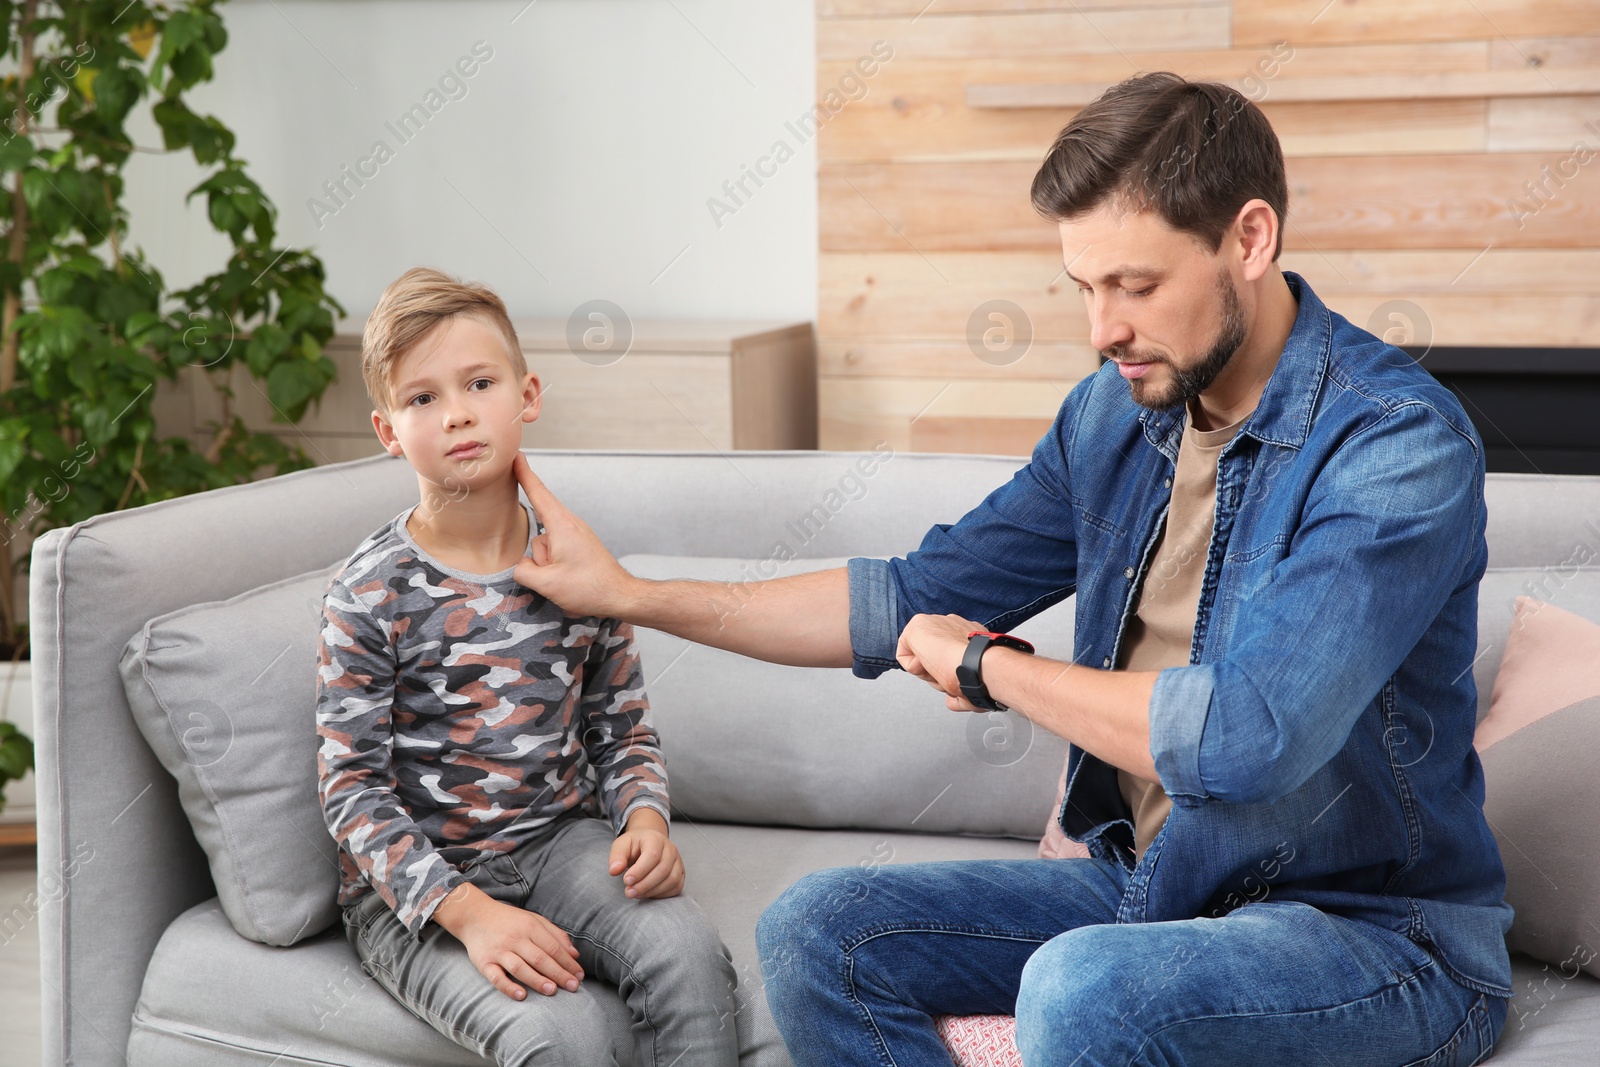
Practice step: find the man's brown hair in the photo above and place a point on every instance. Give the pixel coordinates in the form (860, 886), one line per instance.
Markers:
(415, 303)
(1192, 152)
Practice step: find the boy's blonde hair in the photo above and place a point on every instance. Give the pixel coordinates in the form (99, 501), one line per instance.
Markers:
(415, 303)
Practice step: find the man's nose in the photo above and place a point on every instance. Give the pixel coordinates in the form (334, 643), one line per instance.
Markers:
(1107, 329)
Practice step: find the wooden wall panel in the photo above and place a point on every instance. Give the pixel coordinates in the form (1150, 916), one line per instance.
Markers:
(1547, 52)
(1553, 124)
(1327, 21)
(929, 207)
(888, 314)
(976, 434)
(1470, 216)
(898, 294)
(921, 127)
(844, 9)
(857, 412)
(1028, 33)
(1455, 200)
(948, 359)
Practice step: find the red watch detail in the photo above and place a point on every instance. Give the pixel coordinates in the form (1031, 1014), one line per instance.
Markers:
(1008, 640)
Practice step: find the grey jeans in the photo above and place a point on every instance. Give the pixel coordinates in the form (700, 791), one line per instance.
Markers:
(664, 957)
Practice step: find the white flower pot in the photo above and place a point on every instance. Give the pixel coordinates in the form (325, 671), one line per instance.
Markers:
(16, 706)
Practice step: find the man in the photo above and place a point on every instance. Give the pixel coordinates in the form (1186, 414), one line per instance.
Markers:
(1274, 525)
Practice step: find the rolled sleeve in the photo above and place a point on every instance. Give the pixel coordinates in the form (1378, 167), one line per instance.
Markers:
(874, 617)
(1179, 706)
(1008, 558)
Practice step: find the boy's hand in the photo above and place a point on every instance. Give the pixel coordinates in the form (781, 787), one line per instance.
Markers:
(657, 869)
(509, 944)
(568, 563)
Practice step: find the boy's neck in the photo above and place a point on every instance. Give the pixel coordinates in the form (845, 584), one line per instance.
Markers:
(481, 532)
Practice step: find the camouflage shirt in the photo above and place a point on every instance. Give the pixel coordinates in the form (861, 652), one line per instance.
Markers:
(460, 712)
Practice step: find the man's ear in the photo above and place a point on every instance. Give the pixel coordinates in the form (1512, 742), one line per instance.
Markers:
(1256, 230)
(386, 434)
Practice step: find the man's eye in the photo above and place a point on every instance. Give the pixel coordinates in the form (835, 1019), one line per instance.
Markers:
(1140, 292)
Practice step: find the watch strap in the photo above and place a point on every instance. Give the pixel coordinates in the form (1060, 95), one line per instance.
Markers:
(969, 674)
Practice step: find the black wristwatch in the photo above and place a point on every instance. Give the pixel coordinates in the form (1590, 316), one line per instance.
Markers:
(969, 675)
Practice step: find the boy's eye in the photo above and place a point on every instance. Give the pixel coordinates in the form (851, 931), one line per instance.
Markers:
(424, 397)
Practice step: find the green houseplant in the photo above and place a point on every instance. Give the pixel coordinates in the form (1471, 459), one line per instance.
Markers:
(88, 328)
(16, 756)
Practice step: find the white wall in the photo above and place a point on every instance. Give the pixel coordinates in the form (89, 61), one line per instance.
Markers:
(576, 166)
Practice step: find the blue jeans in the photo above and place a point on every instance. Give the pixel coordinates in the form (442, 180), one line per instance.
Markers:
(664, 956)
(857, 962)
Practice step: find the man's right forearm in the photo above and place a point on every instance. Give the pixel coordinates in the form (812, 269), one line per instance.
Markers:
(803, 620)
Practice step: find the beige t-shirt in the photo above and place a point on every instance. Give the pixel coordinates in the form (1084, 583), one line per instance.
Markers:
(1162, 628)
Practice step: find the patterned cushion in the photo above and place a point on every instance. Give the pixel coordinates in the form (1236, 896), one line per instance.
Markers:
(980, 1040)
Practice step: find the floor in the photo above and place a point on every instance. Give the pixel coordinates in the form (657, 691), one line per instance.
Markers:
(19, 961)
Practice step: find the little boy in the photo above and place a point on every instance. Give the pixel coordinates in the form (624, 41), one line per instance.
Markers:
(487, 761)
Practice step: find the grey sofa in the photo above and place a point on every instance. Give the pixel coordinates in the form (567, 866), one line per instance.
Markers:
(141, 966)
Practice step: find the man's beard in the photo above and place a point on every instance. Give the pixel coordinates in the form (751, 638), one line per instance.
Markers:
(1187, 384)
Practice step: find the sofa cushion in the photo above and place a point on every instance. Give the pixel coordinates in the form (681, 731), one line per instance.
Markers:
(1055, 844)
(223, 693)
(1551, 661)
(1543, 800)
(1541, 764)
(754, 742)
(1576, 590)
(211, 997)
(980, 1040)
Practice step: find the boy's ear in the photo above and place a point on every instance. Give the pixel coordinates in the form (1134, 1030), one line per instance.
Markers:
(532, 396)
(386, 434)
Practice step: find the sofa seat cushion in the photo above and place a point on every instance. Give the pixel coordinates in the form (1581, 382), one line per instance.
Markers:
(212, 997)
(1554, 1018)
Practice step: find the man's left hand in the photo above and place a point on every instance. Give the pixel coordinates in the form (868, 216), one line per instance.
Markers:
(931, 647)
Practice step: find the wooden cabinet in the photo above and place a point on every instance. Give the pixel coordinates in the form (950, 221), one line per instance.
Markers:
(680, 385)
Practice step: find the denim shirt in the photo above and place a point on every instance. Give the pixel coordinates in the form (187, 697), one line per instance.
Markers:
(1318, 745)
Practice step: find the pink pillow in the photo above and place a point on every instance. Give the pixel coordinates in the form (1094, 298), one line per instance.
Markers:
(980, 1040)
(1552, 661)
(1055, 844)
